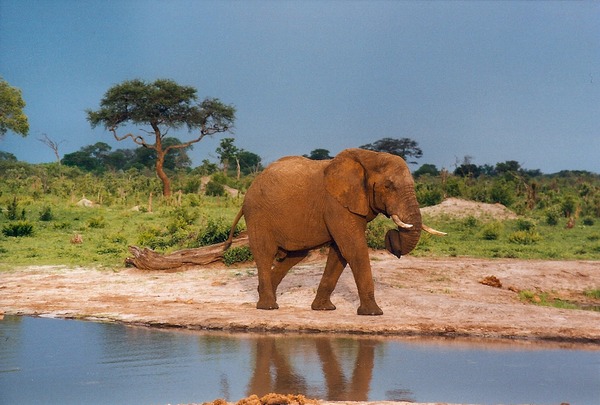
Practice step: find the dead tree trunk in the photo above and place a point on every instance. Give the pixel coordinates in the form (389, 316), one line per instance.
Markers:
(148, 259)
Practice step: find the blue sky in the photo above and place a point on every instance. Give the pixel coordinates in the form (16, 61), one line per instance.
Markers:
(493, 80)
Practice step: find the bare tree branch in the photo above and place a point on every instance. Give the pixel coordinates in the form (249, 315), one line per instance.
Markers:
(52, 145)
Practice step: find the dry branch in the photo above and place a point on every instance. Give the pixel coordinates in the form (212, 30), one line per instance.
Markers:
(148, 259)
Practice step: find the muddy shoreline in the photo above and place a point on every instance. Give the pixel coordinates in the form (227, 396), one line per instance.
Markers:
(419, 296)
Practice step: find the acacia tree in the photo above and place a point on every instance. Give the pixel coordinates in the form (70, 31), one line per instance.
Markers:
(12, 116)
(163, 105)
(404, 147)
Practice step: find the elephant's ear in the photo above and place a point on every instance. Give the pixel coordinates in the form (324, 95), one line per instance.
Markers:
(345, 179)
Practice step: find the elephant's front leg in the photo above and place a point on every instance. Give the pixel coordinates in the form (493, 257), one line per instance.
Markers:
(363, 276)
(353, 247)
(333, 270)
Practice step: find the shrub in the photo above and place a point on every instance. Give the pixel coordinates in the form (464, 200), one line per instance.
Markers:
(18, 229)
(216, 231)
(237, 255)
(492, 230)
(470, 222)
(568, 205)
(587, 221)
(12, 211)
(552, 216)
(46, 214)
(428, 195)
(525, 224)
(96, 222)
(215, 189)
(375, 234)
(502, 193)
(524, 237)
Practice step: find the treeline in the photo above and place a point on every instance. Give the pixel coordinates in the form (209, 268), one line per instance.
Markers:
(126, 177)
(565, 194)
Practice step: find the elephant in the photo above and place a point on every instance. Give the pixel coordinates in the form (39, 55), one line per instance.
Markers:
(297, 204)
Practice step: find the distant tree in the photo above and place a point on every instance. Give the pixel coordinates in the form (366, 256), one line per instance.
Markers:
(406, 148)
(12, 117)
(427, 169)
(249, 162)
(468, 170)
(52, 144)
(163, 105)
(7, 157)
(206, 168)
(319, 154)
(122, 159)
(227, 153)
(510, 166)
(90, 158)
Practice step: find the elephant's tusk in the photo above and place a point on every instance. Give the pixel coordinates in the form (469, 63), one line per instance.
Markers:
(432, 231)
(399, 222)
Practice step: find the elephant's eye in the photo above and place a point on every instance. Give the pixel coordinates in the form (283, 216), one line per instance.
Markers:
(389, 185)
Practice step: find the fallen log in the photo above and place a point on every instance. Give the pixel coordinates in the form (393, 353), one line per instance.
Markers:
(148, 259)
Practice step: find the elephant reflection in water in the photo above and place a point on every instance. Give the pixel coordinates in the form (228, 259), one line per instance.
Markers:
(274, 370)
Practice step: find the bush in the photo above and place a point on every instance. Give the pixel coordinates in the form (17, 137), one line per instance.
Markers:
(588, 221)
(524, 237)
(552, 216)
(237, 255)
(18, 229)
(215, 189)
(12, 211)
(525, 224)
(470, 222)
(96, 222)
(568, 205)
(492, 230)
(502, 193)
(46, 214)
(428, 195)
(216, 231)
(376, 231)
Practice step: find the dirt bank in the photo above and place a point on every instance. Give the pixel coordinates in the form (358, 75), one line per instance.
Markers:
(441, 296)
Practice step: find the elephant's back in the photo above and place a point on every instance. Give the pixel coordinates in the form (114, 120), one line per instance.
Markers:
(290, 175)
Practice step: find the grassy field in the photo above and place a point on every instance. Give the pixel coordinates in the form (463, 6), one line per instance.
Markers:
(59, 232)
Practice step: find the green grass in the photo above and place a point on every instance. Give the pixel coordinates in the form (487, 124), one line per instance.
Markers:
(467, 237)
(107, 231)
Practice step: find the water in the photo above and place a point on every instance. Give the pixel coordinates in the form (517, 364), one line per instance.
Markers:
(50, 361)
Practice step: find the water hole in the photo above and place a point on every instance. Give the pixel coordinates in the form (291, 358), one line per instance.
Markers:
(52, 361)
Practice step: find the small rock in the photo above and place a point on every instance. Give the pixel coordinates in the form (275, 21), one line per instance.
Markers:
(492, 281)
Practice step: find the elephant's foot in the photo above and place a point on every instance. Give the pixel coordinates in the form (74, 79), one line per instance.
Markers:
(322, 305)
(266, 304)
(370, 309)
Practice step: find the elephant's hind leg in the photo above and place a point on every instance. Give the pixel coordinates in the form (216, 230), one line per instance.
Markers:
(283, 265)
(333, 270)
(264, 254)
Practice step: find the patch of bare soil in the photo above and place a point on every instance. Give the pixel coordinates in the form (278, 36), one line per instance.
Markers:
(458, 208)
(419, 296)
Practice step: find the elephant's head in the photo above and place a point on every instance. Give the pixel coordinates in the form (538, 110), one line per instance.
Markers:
(369, 183)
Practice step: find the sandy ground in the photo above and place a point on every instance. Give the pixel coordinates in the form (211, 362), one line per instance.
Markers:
(419, 296)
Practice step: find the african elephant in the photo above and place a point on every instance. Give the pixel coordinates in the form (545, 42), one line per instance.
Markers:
(297, 204)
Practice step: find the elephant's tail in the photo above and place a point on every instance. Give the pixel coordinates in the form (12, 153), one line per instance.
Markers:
(232, 231)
